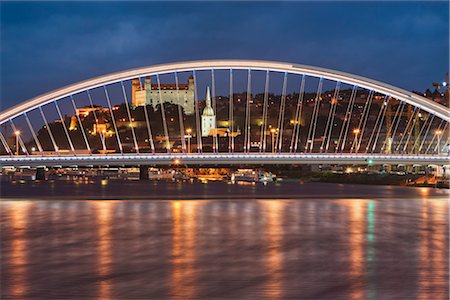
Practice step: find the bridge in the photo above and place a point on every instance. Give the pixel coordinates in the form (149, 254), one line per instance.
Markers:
(231, 112)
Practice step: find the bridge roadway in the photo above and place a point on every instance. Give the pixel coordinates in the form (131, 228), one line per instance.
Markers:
(205, 159)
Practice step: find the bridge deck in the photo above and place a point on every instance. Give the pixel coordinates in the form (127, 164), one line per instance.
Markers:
(221, 159)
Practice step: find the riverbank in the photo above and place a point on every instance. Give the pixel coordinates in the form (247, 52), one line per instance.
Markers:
(166, 190)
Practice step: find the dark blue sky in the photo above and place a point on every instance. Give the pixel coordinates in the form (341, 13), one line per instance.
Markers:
(47, 45)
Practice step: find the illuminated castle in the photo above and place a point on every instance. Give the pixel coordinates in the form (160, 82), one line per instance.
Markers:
(149, 94)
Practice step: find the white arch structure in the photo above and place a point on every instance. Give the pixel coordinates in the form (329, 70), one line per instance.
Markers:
(383, 88)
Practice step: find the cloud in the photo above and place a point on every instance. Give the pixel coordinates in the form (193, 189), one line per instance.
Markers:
(49, 45)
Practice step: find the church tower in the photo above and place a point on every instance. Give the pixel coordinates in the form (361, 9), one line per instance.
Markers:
(208, 116)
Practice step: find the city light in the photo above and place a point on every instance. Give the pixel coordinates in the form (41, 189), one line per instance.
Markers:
(356, 131)
(17, 133)
(188, 136)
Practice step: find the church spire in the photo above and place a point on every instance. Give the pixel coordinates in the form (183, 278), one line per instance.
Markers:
(208, 116)
(208, 97)
(208, 110)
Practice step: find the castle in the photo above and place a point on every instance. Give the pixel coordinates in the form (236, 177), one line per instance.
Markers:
(149, 94)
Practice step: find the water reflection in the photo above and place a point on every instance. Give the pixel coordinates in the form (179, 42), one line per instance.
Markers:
(370, 251)
(232, 249)
(274, 256)
(18, 260)
(356, 245)
(184, 226)
(433, 278)
(103, 212)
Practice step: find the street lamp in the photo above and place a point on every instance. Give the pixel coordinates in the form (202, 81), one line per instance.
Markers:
(439, 133)
(272, 133)
(356, 131)
(17, 134)
(189, 136)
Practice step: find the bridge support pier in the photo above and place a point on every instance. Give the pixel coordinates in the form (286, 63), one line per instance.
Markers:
(143, 173)
(409, 169)
(40, 173)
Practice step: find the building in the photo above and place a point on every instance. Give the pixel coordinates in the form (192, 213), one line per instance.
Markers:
(84, 112)
(149, 94)
(208, 117)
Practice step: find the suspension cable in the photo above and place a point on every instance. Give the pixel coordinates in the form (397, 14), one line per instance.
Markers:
(344, 123)
(81, 125)
(22, 144)
(213, 90)
(127, 106)
(147, 120)
(281, 113)
(374, 129)
(411, 130)
(49, 130)
(380, 125)
(5, 144)
(364, 118)
(36, 140)
(298, 116)
(434, 136)
(416, 142)
(312, 125)
(405, 131)
(247, 114)
(119, 143)
(64, 127)
(330, 119)
(197, 116)
(100, 134)
(426, 133)
(348, 117)
(437, 147)
(180, 115)
(394, 124)
(231, 116)
(263, 140)
(163, 115)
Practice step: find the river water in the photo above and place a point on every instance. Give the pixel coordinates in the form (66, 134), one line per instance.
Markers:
(291, 240)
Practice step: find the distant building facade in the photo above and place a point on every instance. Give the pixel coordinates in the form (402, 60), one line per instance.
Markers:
(149, 94)
(208, 117)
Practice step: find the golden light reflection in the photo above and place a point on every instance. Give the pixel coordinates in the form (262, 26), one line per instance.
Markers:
(440, 246)
(433, 249)
(356, 243)
(184, 234)
(104, 211)
(274, 256)
(424, 274)
(424, 192)
(18, 217)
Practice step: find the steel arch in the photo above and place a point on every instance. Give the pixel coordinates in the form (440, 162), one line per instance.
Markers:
(395, 92)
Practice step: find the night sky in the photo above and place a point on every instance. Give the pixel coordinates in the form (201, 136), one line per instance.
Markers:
(48, 45)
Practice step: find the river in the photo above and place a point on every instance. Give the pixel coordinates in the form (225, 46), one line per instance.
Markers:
(288, 240)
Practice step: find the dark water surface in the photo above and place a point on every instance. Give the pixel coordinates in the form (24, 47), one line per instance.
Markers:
(221, 241)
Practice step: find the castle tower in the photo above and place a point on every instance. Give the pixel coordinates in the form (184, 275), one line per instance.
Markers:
(208, 116)
(73, 122)
(148, 90)
(135, 86)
